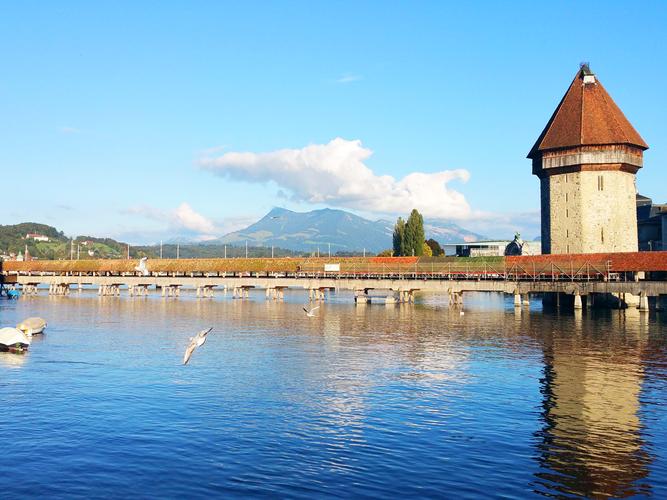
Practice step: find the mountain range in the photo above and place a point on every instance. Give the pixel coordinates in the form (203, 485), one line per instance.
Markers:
(289, 232)
(344, 231)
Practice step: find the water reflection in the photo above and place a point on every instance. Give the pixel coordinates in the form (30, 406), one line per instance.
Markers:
(10, 359)
(591, 443)
(408, 400)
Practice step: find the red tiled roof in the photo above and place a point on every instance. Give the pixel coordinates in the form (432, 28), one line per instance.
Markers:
(586, 116)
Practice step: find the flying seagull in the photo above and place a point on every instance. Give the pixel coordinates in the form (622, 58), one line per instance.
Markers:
(196, 341)
(142, 267)
(311, 313)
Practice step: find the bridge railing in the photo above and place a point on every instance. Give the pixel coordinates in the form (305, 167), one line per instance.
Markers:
(553, 268)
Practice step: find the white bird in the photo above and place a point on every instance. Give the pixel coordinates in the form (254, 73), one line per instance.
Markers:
(196, 341)
(142, 267)
(310, 313)
(13, 340)
(32, 326)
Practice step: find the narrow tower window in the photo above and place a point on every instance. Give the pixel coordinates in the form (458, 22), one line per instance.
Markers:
(600, 183)
(602, 234)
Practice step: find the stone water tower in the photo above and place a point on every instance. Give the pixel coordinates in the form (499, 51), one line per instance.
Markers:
(586, 158)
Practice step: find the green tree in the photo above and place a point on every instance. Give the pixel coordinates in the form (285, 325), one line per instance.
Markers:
(435, 247)
(414, 234)
(399, 237)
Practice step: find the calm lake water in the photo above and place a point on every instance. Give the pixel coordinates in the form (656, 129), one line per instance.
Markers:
(374, 401)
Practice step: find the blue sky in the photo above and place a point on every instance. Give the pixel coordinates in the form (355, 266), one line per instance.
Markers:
(128, 118)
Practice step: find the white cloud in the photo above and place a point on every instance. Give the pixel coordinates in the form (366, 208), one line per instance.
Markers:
(335, 174)
(349, 78)
(182, 219)
(186, 217)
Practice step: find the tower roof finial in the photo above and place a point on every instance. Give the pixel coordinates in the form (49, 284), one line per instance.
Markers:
(585, 68)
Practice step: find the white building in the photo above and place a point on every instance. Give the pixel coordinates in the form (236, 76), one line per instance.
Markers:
(36, 237)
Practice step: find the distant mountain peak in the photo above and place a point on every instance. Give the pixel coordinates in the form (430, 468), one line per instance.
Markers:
(278, 211)
(308, 231)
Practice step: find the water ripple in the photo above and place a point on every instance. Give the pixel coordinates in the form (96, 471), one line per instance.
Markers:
(356, 402)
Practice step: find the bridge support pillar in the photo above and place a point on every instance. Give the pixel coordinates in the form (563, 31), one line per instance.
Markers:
(517, 299)
(242, 292)
(526, 300)
(577, 301)
(59, 289)
(455, 298)
(108, 290)
(275, 293)
(643, 302)
(171, 291)
(204, 291)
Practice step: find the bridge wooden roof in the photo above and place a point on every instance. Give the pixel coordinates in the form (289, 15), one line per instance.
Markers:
(586, 116)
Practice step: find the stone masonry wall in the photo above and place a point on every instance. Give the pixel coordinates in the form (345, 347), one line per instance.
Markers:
(589, 211)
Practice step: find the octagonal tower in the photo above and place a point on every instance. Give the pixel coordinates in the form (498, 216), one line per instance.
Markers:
(586, 158)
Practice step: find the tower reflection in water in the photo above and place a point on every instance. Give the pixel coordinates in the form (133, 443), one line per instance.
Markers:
(591, 444)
